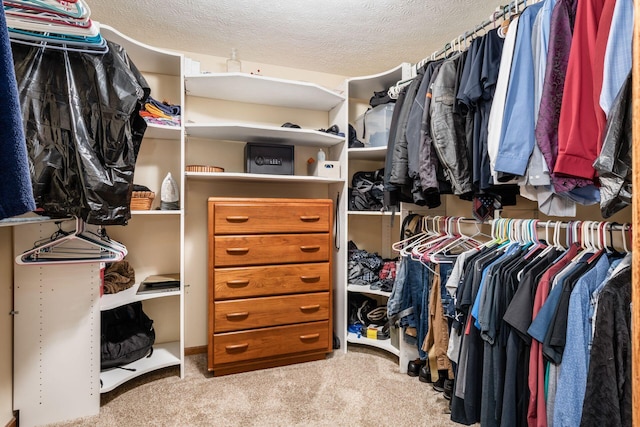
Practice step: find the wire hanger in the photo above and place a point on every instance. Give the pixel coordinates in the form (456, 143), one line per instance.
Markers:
(74, 247)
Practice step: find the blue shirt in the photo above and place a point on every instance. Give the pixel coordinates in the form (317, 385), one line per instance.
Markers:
(544, 17)
(617, 57)
(517, 135)
(572, 382)
(539, 326)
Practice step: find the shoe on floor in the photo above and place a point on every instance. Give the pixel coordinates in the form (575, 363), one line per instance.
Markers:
(425, 374)
(447, 388)
(439, 384)
(413, 368)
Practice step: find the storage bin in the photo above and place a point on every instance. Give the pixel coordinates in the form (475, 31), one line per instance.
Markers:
(325, 169)
(373, 126)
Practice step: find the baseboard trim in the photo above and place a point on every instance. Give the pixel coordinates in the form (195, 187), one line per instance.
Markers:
(13, 422)
(195, 350)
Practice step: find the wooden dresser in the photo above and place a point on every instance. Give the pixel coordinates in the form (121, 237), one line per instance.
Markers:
(270, 282)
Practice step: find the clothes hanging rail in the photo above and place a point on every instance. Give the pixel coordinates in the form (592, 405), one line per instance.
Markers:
(522, 228)
(500, 12)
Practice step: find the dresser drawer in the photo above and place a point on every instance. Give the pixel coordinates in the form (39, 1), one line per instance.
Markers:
(270, 249)
(271, 217)
(251, 313)
(242, 282)
(282, 340)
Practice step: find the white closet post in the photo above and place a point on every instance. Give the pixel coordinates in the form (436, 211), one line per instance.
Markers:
(56, 336)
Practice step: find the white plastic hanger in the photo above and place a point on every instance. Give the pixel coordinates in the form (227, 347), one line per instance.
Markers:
(73, 248)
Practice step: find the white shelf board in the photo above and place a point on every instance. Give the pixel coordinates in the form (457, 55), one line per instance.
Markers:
(239, 176)
(382, 344)
(367, 153)
(257, 133)
(156, 212)
(109, 301)
(242, 87)
(164, 355)
(26, 219)
(363, 87)
(373, 213)
(147, 58)
(157, 131)
(367, 290)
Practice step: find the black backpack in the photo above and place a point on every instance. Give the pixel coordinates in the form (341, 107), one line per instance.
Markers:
(127, 335)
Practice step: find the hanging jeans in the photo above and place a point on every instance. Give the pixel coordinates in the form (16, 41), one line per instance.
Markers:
(416, 295)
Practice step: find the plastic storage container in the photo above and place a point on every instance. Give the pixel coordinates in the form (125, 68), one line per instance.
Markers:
(373, 126)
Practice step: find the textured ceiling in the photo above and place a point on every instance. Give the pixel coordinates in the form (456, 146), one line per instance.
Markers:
(344, 37)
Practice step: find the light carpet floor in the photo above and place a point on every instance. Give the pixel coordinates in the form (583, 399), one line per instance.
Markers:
(363, 387)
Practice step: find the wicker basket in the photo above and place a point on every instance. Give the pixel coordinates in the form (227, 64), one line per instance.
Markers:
(142, 200)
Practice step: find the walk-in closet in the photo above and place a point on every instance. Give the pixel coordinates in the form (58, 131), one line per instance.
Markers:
(349, 214)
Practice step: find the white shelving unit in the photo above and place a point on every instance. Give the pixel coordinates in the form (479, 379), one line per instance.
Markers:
(361, 225)
(256, 133)
(256, 177)
(381, 344)
(254, 89)
(163, 356)
(154, 238)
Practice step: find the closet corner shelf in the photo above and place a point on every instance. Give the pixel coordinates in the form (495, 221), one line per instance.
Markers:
(147, 58)
(382, 344)
(367, 290)
(368, 153)
(164, 355)
(364, 86)
(109, 301)
(258, 133)
(239, 176)
(156, 131)
(373, 213)
(249, 88)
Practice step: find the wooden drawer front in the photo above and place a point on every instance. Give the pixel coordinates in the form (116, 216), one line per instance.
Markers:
(271, 249)
(281, 340)
(232, 218)
(242, 282)
(270, 311)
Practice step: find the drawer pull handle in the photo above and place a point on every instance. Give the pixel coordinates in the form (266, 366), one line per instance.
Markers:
(310, 218)
(310, 278)
(237, 218)
(310, 307)
(309, 337)
(237, 251)
(237, 283)
(313, 248)
(237, 347)
(235, 316)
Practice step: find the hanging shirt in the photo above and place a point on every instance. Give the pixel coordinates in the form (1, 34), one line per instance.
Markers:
(494, 124)
(560, 37)
(617, 58)
(517, 137)
(575, 359)
(607, 400)
(578, 144)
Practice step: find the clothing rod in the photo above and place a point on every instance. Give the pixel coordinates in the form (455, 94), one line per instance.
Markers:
(539, 224)
(500, 12)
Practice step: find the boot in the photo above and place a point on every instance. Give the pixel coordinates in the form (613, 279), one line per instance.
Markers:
(425, 374)
(439, 384)
(413, 368)
(447, 388)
